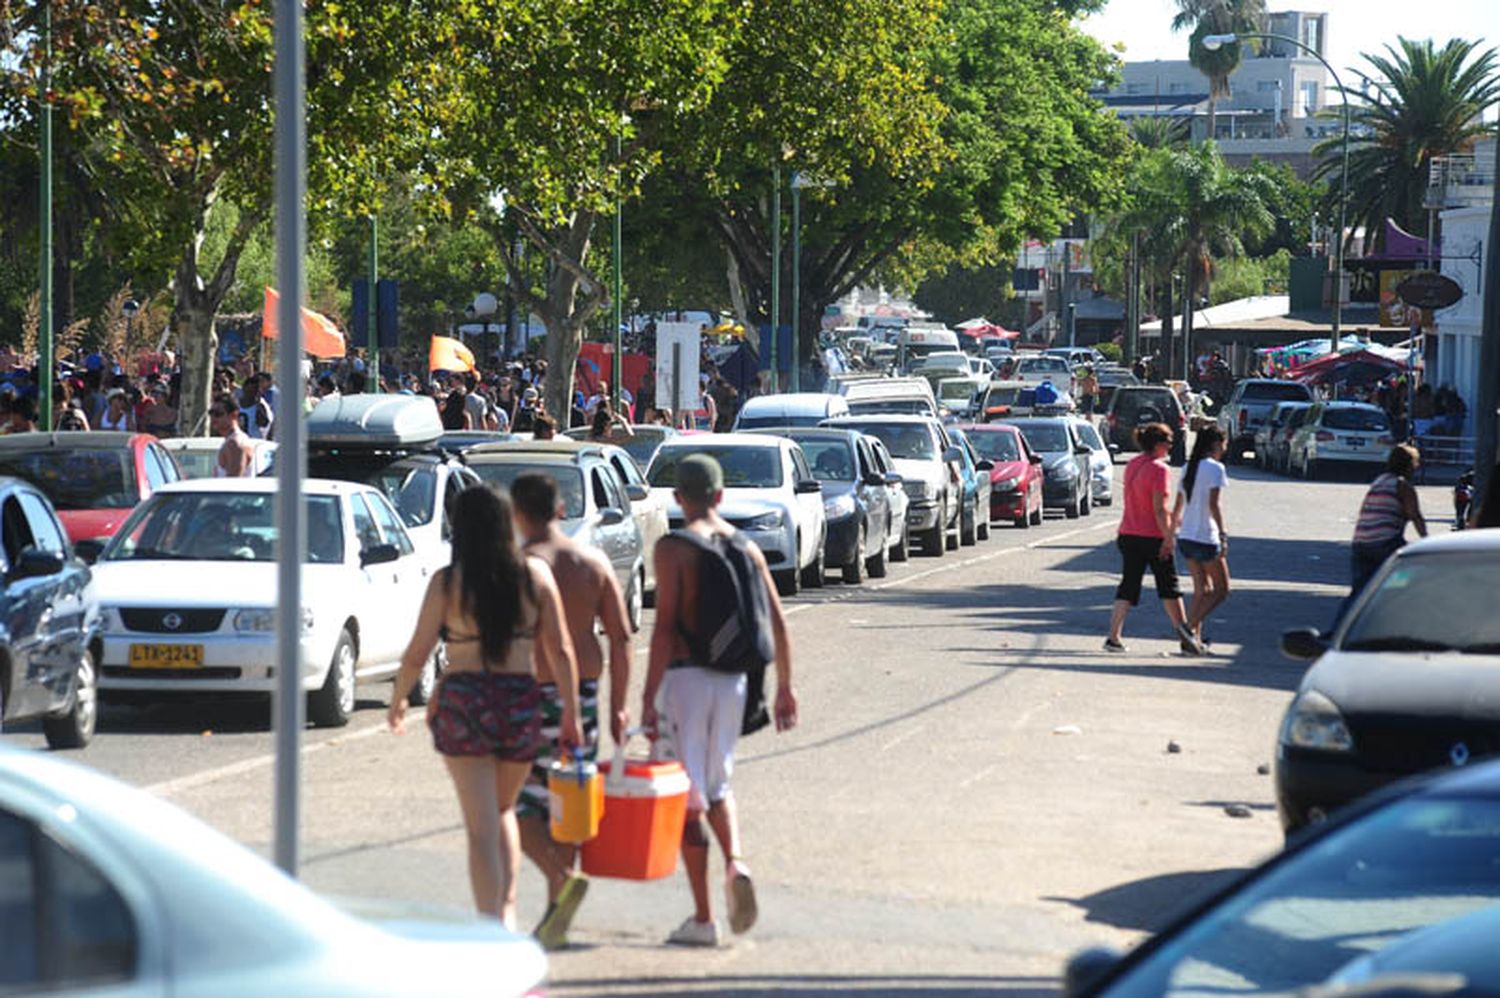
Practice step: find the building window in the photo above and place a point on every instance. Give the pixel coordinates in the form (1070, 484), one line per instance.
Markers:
(1267, 86)
(1309, 93)
(1311, 34)
(1135, 88)
(1176, 88)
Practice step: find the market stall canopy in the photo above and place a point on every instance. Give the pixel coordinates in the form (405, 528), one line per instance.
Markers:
(980, 328)
(1358, 366)
(321, 337)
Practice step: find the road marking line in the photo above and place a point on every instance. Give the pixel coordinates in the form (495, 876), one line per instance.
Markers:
(986, 771)
(910, 732)
(166, 788)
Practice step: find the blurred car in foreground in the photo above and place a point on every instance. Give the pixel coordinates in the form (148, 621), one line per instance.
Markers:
(108, 890)
(1327, 909)
(1408, 682)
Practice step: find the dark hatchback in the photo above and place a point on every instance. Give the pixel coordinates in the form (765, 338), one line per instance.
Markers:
(1133, 406)
(49, 622)
(856, 500)
(1409, 682)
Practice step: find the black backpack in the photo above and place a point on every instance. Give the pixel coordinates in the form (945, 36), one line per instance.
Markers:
(732, 632)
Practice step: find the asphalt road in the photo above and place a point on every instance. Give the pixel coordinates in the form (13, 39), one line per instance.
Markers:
(976, 790)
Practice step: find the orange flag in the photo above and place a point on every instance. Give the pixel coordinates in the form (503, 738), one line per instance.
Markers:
(448, 354)
(320, 337)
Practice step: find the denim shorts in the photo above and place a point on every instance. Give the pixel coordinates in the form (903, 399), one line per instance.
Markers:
(1197, 550)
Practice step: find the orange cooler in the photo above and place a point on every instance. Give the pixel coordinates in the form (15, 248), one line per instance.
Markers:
(644, 812)
(576, 794)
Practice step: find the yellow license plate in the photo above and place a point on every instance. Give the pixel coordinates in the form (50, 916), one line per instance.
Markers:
(166, 656)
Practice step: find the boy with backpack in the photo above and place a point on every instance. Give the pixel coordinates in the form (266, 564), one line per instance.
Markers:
(718, 625)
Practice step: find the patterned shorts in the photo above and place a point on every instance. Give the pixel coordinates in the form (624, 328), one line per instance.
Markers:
(487, 713)
(534, 799)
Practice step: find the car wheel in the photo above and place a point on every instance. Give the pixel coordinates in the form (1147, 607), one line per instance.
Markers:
(1309, 469)
(968, 528)
(1023, 521)
(1085, 503)
(1074, 508)
(331, 705)
(876, 566)
(854, 569)
(74, 728)
(635, 600)
(814, 575)
(427, 682)
(902, 550)
(933, 541)
(1040, 514)
(984, 526)
(788, 583)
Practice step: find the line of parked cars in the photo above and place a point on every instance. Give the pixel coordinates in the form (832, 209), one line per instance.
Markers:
(1310, 439)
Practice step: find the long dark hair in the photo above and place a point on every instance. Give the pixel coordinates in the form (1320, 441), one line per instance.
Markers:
(1203, 447)
(494, 579)
(603, 417)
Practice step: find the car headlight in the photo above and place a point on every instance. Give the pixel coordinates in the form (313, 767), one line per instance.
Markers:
(1314, 722)
(920, 490)
(766, 521)
(263, 620)
(1007, 485)
(1061, 472)
(110, 620)
(839, 506)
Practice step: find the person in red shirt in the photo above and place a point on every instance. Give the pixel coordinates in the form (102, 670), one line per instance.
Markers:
(1147, 538)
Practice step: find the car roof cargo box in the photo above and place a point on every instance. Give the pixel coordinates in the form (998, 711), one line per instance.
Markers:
(374, 422)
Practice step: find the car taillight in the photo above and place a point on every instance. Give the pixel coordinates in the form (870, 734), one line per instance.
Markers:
(1324, 436)
(1114, 421)
(1385, 441)
(1244, 418)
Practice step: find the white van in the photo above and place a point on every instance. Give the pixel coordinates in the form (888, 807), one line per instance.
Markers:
(908, 396)
(914, 344)
(799, 409)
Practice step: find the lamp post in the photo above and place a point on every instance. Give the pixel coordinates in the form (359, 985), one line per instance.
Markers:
(372, 327)
(775, 276)
(617, 364)
(1215, 42)
(44, 362)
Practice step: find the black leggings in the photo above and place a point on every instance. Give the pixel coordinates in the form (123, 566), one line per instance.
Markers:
(1141, 553)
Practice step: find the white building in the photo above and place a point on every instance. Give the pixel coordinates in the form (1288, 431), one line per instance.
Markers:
(1464, 187)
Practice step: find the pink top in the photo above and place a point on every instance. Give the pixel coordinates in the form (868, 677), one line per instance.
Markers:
(1144, 476)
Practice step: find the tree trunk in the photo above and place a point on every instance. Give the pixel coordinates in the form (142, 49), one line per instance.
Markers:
(193, 318)
(737, 291)
(1164, 351)
(1187, 320)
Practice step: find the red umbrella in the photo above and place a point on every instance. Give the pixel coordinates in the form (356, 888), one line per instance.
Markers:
(1330, 366)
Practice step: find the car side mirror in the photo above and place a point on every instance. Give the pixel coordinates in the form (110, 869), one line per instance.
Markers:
(33, 563)
(89, 551)
(1114, 448)
(637, 492)
(953, 454)
(1303, 644)
(1083, 449)
(379, 554)
(611, 516)
(808, 486)
(875, 478)
(1036, 459)
(894, 478)
(1087, 968)
(984, 464)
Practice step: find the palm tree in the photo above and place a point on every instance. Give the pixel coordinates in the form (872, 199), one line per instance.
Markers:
(1217, 17)
(1423, 102)
(1160, 132)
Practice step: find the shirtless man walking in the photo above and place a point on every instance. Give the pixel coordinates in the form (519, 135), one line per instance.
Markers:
(235, 457)
(589, 593)
(702, 710)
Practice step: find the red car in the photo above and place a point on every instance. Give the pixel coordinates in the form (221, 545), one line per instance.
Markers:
(1016, 479)
(94, 479)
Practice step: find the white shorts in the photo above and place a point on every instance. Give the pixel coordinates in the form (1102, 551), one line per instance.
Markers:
(703, 711)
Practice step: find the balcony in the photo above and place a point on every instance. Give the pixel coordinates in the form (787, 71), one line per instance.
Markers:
(1461, 181)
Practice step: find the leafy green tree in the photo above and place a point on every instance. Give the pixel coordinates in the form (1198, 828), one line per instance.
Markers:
(174, 102)
(962, 293)
(1424, 102)
(1217, 17)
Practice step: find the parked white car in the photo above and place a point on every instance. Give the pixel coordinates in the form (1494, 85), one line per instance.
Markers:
(197, 457)
(187, 593)
(769, 493)
(1101, 462)
(981, 367)
(110, 890)
(1340, 433)
(647, 508)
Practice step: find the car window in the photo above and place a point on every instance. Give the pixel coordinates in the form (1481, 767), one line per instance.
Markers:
(1356, 420)
(390, 524)
(1046, 438)
(44, 529)
(457, 482)
(800, 471)
(626, 469)
(15, 532)
(744, 467)
(78, 477)
(569, 480)
(831, 460)
(1089, 435)
(1410, 864)
(996, 445)
(1433, 602)
(156, 475)
(65, 926)
(364, 524)
(1279, 391)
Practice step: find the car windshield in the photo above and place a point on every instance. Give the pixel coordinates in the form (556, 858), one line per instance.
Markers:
(1045, 438)
(897, 406)
(1432, 602)
(1128, 403)
(780, 419)
(411, 488)
(78, 477)
(831, 460)
(222, 526)
(1274, 391)
(955, 391)
(643, 445)
(996, 445)
(912, 441)
(744, 467)
(1410, 864)
(568, 478)
(1356, 420)
(1038, 364)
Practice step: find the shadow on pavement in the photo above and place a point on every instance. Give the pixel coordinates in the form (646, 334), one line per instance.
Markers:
(1149, 905)
(803, 985)
(194, 714)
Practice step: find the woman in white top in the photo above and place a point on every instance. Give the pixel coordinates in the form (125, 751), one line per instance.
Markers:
(117, 415)
(1201, 537)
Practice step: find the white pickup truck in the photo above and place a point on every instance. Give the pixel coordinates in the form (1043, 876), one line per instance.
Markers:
(1036, 368)
(1248, 407)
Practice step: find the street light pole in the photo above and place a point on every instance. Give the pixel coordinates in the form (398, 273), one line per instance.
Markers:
(796, 282)
(775, 276)
(1213, 43)
(616, 367)
(44, 363)
(372, 328)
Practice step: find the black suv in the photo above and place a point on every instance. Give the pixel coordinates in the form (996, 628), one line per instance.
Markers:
(49, 622)
(1136, 405)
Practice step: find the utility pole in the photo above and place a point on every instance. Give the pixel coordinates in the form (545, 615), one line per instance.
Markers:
(775, 276)
(372, 328)
(1133, 300)
(616, 366)
(796, 282)
(1485, 416)
(44, 362)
